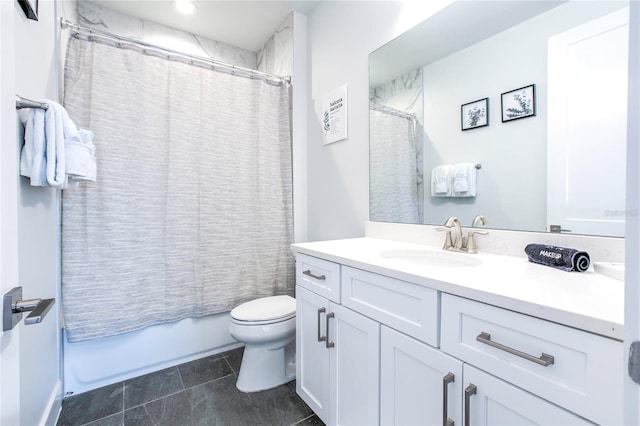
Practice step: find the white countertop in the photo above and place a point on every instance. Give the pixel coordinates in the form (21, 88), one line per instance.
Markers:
(585, 300)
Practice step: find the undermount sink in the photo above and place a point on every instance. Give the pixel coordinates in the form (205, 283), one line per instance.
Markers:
(432, 258)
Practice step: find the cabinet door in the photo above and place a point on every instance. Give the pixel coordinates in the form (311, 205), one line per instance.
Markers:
(490, 401)
(355, 368)
(416, 381)
(312, 356)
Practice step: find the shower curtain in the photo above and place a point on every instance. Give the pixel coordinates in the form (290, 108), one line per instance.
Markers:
(393, 173)
(191, 213)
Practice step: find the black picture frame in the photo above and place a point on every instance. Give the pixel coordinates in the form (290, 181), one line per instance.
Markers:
(30, 8)
(474, 115)
(518, 103)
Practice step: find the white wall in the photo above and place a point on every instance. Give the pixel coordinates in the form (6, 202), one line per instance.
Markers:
(341, 36)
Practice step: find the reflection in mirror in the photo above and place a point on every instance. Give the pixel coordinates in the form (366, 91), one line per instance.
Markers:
(562, 169)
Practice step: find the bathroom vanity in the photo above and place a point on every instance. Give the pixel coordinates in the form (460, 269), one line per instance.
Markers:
(392, 332)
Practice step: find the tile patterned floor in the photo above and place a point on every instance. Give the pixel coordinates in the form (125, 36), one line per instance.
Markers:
(201, 392)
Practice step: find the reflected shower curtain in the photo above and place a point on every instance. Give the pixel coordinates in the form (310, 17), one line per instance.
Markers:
(393, 175)
(191, 213)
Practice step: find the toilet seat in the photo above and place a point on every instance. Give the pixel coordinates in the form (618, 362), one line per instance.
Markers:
(266, 310)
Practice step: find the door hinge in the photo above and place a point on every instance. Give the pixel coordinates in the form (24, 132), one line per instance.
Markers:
(634, 362)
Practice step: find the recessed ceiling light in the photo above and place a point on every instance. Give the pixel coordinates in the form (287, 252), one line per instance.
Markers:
(185, 6)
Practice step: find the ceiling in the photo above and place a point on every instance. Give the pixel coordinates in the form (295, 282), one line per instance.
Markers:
(242, 23)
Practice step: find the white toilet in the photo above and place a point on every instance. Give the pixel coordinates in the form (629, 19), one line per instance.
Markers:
(267, 327)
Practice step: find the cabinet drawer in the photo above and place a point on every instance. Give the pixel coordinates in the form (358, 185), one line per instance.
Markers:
(583, 371)
(319, 276)
(406, 307)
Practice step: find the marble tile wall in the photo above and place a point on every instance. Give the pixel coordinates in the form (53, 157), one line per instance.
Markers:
(276, 56)
(405, 94)
(96, 16)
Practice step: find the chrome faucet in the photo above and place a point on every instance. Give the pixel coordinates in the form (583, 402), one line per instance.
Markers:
(471, 242)
(477, 219)
(454, 241)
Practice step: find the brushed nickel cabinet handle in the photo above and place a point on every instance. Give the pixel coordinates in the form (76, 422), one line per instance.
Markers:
(317, 277)
(545, 359)
(320, 337)
(329, 343)
(448, 378)
(469, 390)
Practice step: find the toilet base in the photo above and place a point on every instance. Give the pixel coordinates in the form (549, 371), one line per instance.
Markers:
(263, 369)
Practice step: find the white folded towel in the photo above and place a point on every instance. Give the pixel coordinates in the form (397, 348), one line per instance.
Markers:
(33, 160)
(440, 181)
(54, 134)
(463, 177)
(55, 152)
(81, 163)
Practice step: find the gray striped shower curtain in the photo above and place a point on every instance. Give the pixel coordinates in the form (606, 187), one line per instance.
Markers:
(191, 213)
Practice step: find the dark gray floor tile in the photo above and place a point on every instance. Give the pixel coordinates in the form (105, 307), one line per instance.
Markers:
(221, 403)
(151, 386)
(172, 410)
(234, 358)
(311, 421)
(281, 405)
(93, 405)
(213, 403)
(113, 420)
(203, 370)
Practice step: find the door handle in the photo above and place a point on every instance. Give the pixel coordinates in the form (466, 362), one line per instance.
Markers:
(13, 306)
(545, 359)
(321, 338)
(449, 378)
(312, 275)
(469, 390)
(329, 344)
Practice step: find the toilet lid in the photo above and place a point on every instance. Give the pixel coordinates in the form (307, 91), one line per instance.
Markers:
(270, 308)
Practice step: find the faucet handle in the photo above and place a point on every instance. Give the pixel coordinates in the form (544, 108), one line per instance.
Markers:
(471, 242)
(448, 242)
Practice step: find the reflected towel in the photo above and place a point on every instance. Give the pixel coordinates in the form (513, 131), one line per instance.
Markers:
(440, 181)
(463, 179)
(567, 259)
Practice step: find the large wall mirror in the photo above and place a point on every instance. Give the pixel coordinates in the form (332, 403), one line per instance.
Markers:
(449, 92)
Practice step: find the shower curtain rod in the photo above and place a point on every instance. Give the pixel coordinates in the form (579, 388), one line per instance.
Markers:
(391, 111)
(191, 59)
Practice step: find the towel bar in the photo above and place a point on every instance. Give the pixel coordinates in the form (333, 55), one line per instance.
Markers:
(28, 103)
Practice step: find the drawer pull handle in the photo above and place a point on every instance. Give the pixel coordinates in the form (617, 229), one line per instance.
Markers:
(545, 360)
(469, 390)
(329, 344)
(317, 277)
(449, 378)
(320, 337)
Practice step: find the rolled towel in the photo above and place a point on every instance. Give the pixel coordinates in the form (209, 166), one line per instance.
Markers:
(567, 259)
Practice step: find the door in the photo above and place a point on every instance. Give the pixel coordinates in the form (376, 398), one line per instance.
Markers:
(419, 385)
(355, 367)
(9, 341)
(312, 355)
(587, 119)
(491, 401)
(30, 379)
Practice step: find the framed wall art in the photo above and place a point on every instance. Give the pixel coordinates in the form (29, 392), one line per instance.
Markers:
(475, 114)
(519, 103)
(30, 8)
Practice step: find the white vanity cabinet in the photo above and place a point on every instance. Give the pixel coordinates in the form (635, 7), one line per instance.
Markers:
(419, 385)
(372, 349)
(491, 401)
(338, 362)
(579, 371)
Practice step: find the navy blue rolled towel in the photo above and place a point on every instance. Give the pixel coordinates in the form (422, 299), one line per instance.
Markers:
(567, 259)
